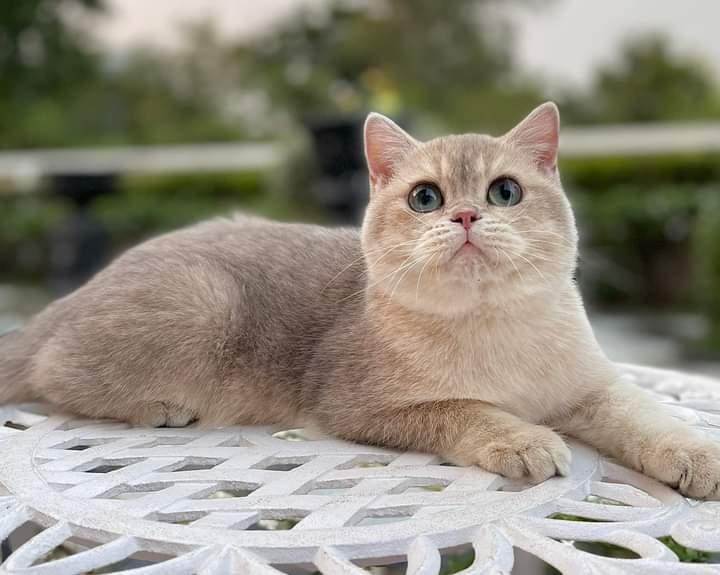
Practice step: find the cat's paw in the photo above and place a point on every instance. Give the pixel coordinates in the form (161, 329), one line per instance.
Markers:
(161, 414)
(690, 464)
(536, 453)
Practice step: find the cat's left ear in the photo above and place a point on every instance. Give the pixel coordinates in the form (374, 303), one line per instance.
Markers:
(539, 134)
(386, 144)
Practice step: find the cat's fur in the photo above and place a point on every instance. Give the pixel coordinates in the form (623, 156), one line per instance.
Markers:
(388, 335)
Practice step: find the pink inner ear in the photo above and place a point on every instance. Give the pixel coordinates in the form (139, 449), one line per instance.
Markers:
(385, 145)
(379, 164)
(539, 133)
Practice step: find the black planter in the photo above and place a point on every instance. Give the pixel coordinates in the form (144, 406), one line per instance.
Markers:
(80, 245)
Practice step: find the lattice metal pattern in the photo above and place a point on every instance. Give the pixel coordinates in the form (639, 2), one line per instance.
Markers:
(92, 497)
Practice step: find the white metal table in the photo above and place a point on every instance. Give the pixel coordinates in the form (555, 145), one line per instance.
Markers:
(89, 497)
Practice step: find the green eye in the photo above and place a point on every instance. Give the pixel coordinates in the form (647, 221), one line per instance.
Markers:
(425, 198)
(504, 192)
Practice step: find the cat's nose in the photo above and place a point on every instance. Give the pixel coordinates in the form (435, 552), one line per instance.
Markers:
(466, 218)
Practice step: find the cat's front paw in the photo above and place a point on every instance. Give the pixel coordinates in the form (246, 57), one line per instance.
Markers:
(535, 453)
(161, 414)
(690, 464)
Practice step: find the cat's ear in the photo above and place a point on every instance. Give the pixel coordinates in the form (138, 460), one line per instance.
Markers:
(539, 134)
(386, 144)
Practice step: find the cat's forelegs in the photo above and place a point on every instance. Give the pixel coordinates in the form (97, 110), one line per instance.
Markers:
(626, 423)
(467, 433)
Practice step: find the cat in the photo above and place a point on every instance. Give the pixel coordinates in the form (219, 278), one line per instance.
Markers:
(449, 323)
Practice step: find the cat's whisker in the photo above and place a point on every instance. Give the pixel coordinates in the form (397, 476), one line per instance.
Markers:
(540, 274)
(546, 241)
(544, 232)
(385, 253)
(402, 277)
(497, 255)
(424, 223)
(417, 287)
(538, 256)
(534, 253)
(342, 271)
(402, 244)
(378, 282)
(512, 262)
(484, 263)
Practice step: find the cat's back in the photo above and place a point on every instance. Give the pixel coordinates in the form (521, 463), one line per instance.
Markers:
(244, 265)
(256, 250)
(237, 295)
(217, 321)
(286, 263)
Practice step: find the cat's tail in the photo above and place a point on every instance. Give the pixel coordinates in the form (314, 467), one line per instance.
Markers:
(14, 386)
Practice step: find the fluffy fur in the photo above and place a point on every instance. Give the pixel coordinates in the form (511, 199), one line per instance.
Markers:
(412, 333)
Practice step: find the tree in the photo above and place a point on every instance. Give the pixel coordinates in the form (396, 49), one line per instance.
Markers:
(648, 83)
(58, 89)
(41, 54)
(450, 61)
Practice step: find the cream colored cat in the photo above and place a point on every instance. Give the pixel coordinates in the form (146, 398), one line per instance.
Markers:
(449, 323)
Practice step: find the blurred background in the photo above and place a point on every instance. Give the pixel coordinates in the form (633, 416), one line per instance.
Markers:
(120, 119)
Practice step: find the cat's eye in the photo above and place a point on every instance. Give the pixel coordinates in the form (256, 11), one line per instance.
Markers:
(425, 198)
(504, 192)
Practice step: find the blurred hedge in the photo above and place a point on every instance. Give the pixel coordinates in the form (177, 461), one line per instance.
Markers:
(144, 206)
(602, 173)
(650, 226)
(638, 242)
(707, 261)
(651, 231)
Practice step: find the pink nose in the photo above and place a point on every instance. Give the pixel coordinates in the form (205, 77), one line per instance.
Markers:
(466, 218)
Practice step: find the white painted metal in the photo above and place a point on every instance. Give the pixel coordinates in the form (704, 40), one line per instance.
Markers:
(640, 139)
(26, 166)
(252, 501)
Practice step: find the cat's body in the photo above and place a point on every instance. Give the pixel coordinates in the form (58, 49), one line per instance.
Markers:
(295, 332)
(449, 323)
(180, 320)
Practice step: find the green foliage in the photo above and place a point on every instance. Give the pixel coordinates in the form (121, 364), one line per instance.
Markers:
(656, 224)
(450, 62)
(144, 206)
(456, 562)
(39, 51)
(57, 89)
(649, 82)
(43, 60)
(25, 225)
(154, 204)
(600, 173)
(685, 554)
(707, 264)
(644, 234)
(449, 65)
(149, 205)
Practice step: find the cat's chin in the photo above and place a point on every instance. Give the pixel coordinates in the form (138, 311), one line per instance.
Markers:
(455, 295)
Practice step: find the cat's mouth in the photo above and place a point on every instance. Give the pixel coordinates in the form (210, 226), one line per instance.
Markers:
(467, 249)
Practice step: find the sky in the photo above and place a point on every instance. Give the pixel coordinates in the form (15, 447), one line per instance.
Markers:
(562, 41)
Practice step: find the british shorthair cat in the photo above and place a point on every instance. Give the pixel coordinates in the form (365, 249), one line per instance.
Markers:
(449, 323)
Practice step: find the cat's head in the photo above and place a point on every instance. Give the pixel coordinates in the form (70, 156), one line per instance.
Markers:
(461, 222)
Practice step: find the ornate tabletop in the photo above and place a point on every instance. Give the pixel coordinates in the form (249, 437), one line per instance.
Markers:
(79, 496)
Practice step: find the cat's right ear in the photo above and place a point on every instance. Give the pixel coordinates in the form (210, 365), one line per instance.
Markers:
(386, 144)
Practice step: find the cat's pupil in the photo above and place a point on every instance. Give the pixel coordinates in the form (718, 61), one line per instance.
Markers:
(425, 198)
(504, 192)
